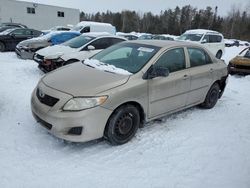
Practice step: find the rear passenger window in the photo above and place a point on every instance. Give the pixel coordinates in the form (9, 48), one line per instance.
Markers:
(214, 38)
(115, 41)
(198, 57)
(173, 60)
(101, 43)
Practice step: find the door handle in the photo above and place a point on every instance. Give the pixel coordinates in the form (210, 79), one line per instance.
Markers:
(185, 77)
(211, 70)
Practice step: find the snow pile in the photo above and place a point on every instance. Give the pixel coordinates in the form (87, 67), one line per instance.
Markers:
(105, 67)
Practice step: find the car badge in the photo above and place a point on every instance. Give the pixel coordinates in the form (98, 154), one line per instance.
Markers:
(41, 93)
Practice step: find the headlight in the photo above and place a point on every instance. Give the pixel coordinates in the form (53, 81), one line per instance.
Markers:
(81, 103)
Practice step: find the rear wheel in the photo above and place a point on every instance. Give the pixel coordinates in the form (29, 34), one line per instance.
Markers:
(219, 54)
(122, 125)
(2, 47)
(212, 96)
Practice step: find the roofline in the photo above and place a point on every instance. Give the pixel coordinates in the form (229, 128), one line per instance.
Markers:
(34, 3)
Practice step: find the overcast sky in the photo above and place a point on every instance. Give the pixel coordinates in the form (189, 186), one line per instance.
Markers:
(155, 6)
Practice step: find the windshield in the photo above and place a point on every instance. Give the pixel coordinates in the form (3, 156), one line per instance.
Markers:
(191, 37)
(48, 35)
(6, 32)
(78, 41)
(245, 53)
(130, 57)
(77, 28)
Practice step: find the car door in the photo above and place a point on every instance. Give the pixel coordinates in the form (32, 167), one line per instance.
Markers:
(19, 35)
(169, 93)
(201, 74)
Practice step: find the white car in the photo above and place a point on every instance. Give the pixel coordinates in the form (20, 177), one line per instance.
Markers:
(212, 40)
(76, 49)
(88, 26)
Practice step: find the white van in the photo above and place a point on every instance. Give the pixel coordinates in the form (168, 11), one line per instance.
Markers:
(212, 40)
(87, 26)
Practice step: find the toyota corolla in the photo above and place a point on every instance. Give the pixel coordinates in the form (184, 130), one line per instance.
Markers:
(116, 91)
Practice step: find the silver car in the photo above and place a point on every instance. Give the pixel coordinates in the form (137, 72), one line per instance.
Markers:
(116, 91)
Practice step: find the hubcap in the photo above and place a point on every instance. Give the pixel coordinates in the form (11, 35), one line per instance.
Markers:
(125, 125)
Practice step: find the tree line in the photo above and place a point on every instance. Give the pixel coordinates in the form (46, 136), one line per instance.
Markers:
(176, 21)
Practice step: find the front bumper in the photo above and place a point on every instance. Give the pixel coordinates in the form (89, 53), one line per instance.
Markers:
(59, 123)
(238, 69)
(24, 54)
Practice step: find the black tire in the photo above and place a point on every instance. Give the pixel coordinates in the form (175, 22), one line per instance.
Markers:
(219, 54)
(122, 125)
(2, 47)
(212, 97)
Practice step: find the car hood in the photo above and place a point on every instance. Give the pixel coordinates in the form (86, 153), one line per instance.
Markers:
(33, 43)
(239, 60)
(54, 52)
(80, 80)
(81, 55)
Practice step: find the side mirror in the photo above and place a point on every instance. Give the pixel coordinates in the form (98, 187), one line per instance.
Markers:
(12, 34)
(155, 71)
(204, 41)
(90, 47)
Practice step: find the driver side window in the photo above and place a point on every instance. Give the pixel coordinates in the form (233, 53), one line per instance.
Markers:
(173, 60)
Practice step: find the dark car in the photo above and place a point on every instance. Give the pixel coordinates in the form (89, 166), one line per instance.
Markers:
(162, 37)
(11, 37)
(13, 25)
(27, 48)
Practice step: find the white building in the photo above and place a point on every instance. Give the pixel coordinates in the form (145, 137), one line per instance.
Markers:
(37, 16)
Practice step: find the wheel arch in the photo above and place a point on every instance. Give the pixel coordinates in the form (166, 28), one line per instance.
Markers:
(222, 84)
(133, 103)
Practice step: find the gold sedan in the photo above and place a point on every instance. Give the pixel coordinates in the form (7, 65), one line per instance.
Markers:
(241, 63)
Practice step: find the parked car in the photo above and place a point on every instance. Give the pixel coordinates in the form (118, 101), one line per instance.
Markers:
(74, 50)
(146, 37)
(13, 25)
(241, 63)
(231, 42)
(11, 37)
(87, 26)
(27, 48)
(212, 40)
(128, 36)
(162, 37)
(113, 93)
(57, 28)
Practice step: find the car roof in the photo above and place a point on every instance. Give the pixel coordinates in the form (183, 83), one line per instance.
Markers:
(101, 34)
(202, 31)
(165, 43)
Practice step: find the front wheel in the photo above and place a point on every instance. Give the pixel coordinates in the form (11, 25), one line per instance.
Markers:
(219, 54)
(212, 96)
(122, 125)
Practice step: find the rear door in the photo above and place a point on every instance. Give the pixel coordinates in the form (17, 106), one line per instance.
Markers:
(169, 93)
(201, 74)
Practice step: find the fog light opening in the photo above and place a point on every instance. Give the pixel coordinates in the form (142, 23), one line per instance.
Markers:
(75, 131)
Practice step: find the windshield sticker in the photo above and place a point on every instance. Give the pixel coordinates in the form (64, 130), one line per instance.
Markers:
(143, 49)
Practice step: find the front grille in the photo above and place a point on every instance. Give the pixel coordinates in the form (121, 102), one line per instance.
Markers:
(38, 58)
(42, 122)
(241, 67)
(46, 99)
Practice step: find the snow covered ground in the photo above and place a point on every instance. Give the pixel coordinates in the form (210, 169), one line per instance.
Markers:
(192, 149)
